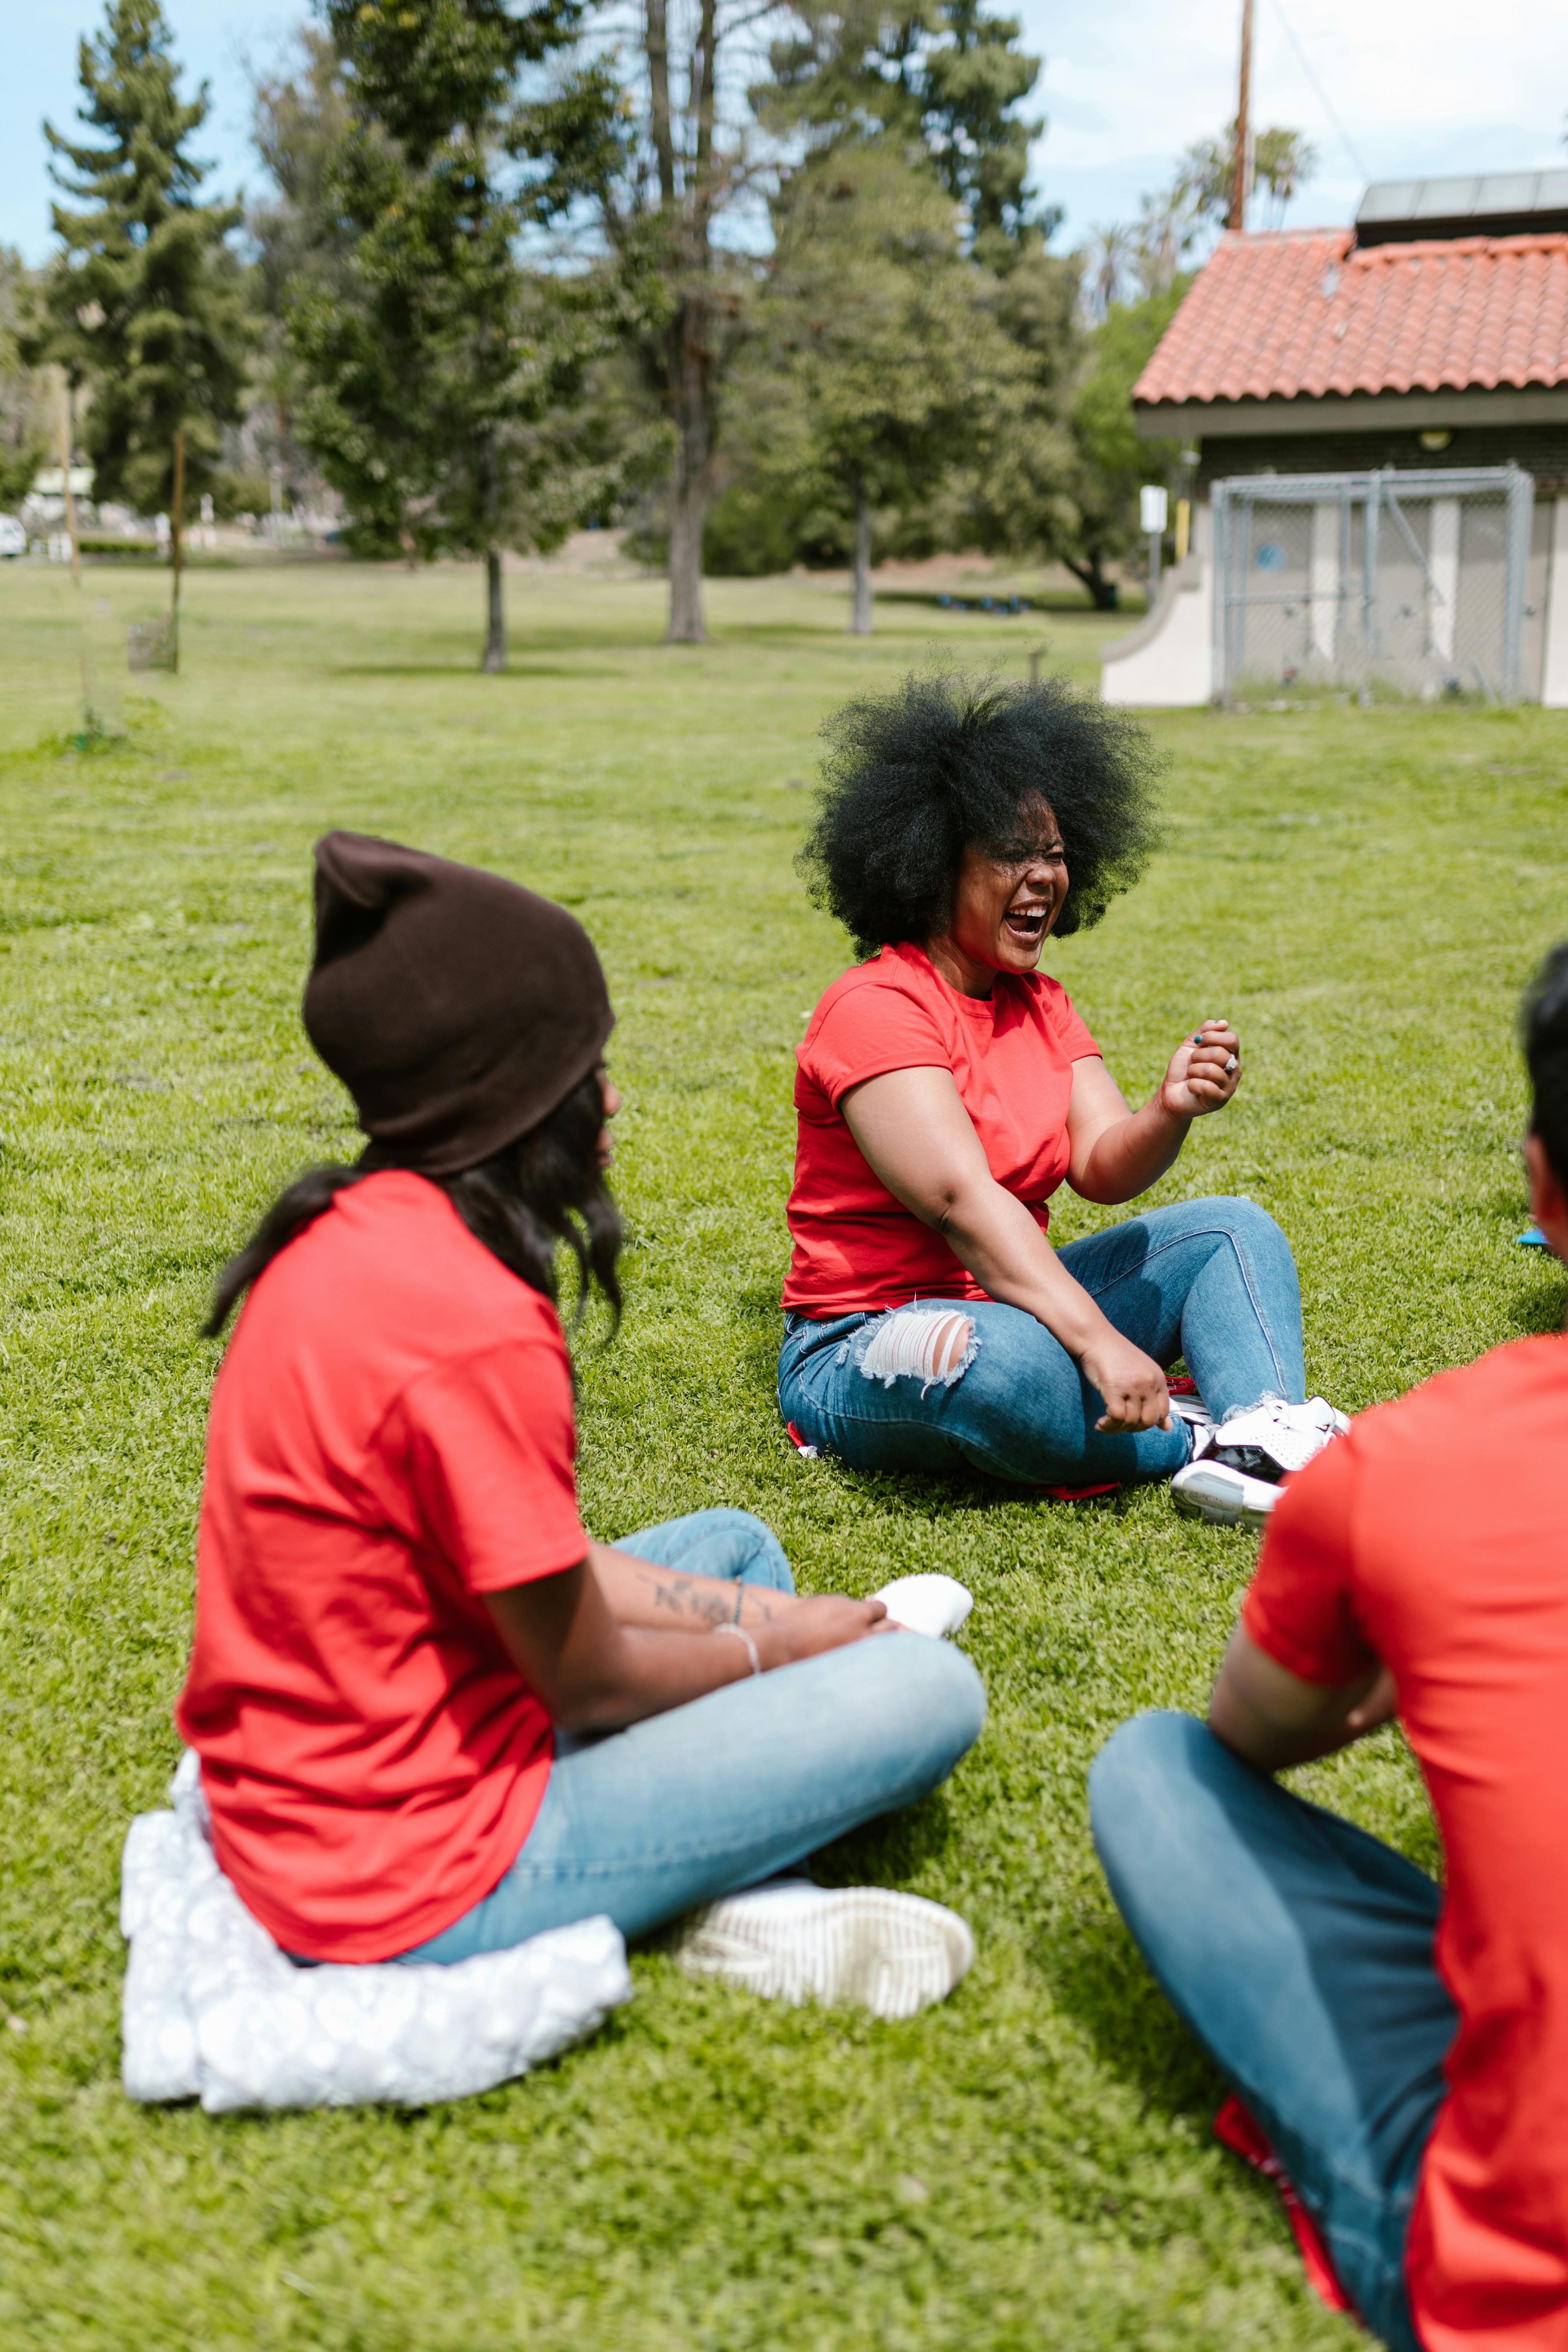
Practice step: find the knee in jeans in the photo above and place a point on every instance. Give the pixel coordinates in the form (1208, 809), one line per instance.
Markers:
(1248, 1222)
(944, 1687)
(933, 1345)
(1137, 1764)
(769, 1564)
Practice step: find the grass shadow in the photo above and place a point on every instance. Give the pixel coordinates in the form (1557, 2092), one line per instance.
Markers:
(470, 670)
(1538, 1310)
(890, 1850)
(1097, 1977)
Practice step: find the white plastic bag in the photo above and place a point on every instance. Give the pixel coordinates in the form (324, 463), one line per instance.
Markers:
(214, 2010)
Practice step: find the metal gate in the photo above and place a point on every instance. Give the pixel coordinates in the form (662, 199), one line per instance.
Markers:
(1411, 582)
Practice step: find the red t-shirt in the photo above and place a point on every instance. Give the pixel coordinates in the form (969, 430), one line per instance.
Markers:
(1435, 1537)
(1011, 1054)
(391, 1436)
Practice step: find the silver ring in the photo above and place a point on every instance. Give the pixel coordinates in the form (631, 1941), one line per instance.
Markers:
(1230, 1063)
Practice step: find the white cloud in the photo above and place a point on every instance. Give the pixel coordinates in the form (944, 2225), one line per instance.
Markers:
(1128, 83)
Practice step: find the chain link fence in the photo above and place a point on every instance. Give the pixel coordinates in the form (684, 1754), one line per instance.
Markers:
(1406, 583)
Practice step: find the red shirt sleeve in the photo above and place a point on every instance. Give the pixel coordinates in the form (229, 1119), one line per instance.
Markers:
(485, 1447)
(1077, 1043)
(1301, 1605)
(867, 1031)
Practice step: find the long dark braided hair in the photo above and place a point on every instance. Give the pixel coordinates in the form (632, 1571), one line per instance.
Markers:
(521, 1203)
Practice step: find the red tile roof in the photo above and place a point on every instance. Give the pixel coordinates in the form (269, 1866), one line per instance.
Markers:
(1301, 312)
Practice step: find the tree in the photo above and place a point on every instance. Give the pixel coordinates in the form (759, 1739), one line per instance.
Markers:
(1282, 162)
(23, 436)
(1066, 462)
(1108, 261)
(881, 346)
(1097, 522)
(940, 75)
(303, 245)
(441, 374)
(651, 168)
(145, 300)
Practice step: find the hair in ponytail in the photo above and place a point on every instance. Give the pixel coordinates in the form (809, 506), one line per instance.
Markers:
(306, 1199)
(543, 1189)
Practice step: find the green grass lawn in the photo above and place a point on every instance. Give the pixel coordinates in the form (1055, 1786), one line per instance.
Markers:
(1030, 2164)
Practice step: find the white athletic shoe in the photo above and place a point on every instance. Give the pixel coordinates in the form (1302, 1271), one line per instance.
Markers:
(1233, 1477)
(1193, 1409)
(891, 1953)
(927, 1604)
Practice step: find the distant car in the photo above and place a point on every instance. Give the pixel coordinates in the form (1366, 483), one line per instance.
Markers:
(12, 537)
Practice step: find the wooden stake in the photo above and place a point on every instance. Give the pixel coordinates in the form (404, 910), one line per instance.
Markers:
(63, 435)
(175, 520)
(1241, 188)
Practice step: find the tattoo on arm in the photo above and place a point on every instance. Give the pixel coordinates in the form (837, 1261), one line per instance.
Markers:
(684, 1596)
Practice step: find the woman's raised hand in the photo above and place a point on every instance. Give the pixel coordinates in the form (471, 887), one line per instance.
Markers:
(1204, 1072)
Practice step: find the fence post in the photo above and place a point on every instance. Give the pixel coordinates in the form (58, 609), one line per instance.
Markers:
(1220, 509)
(1520, 509)
(1369, 584)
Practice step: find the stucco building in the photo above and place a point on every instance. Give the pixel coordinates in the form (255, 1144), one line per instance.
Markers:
(1402, 365)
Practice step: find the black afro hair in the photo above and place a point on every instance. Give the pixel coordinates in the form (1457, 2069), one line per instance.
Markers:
(911, 779)
(1544, 1028)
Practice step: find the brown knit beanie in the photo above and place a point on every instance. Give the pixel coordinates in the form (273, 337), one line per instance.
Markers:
(457, 1008)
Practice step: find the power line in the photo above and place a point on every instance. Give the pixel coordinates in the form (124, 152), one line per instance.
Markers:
(1323, 99)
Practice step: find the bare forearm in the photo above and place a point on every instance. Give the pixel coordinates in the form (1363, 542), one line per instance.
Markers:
(647, 1670)
(668, 1599)
(1270, 1746)
(1271, 1719)
(993, 1235)
(1129, 1156)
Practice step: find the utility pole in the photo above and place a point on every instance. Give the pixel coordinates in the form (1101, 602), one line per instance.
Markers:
(1241, 183)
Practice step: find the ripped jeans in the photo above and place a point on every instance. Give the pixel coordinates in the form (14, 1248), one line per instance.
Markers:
(1210, 1281)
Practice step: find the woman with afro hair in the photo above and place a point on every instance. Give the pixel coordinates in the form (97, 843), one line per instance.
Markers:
(946, 1087)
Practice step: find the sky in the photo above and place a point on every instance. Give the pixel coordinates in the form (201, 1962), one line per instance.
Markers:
(1127, 85)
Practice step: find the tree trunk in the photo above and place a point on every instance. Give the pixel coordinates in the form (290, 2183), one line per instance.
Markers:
(495, 639)
(176, 523)
(860, 607)
(1091, 573)
(689, 474)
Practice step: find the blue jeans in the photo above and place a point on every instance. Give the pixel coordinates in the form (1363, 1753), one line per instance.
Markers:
(1211, 1281)
(647, 1823)
(1299, 1952)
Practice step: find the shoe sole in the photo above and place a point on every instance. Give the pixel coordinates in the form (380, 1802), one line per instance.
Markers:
(1201, 1493)
(891, 1953)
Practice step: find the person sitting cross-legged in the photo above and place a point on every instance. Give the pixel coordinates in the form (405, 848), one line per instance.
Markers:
(947, 1087)
(433, 1718)
(1404, 2047)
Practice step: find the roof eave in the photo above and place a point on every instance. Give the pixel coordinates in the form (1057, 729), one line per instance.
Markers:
(1282, 414)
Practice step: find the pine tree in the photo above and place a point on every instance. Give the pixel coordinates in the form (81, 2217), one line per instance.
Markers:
(441, 375)
(941, 74)
(146, 302)
(24, 435)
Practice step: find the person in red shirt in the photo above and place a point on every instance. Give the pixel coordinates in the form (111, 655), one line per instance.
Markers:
(946, 1087)
(408, 1650)
(1404, 2047)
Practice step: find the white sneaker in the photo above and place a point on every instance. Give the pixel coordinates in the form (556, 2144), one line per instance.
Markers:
(891, 1953)
(1234, 1479)
(1192, 1408)
(929, 1602)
